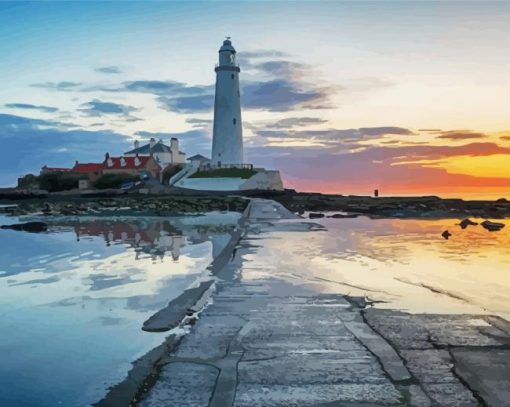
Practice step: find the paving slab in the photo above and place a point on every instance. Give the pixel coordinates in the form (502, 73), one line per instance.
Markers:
(386, 355)
(487, 371)
(399, 328)
(209, 339)
(182, 384)
(319, 368)
(250, 395)
(430, 365)
(417, 397)
(450, 394)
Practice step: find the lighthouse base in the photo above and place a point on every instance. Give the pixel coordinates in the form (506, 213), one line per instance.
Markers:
(261, 179)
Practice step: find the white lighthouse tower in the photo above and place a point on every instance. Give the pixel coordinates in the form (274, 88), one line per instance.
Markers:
(227, 148)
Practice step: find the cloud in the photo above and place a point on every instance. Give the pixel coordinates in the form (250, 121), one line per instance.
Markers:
(292, 122)
(334, 137)
(57, 86)
(28, 144)
(27, 106)
(283, 91)
(109, 69)
(97, 108)
(263, 53)
(187, 104)
(282, 68)
(460, 135)
(199, 123)
(165, 88)
(275, 96)
(281, 95)
(506, 138)
(341, 169)
(157, 135)
(380, 131)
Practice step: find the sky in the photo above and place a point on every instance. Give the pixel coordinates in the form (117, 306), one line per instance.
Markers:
(412, 98)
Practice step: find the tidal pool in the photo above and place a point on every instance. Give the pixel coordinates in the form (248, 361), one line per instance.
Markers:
(405, 263)
(73, 300)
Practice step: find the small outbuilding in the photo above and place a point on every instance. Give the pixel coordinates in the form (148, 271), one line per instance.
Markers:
(198, 160)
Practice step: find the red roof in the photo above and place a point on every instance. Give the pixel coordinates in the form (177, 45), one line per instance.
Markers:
(126, 163)
(86, 167)
(117, 163)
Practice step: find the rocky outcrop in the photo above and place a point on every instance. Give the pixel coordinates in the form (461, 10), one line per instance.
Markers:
(464, 223)
(446, 234)
(398, 207)
(492, 226)
(34, 227)
(343, 216)
(127, 205)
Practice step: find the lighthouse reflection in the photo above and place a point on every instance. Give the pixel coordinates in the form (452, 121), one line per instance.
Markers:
(155, 239)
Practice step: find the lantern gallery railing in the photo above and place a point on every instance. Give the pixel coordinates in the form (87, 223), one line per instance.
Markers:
(211, 167)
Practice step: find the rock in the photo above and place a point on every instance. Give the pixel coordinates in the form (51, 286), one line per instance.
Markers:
(343, 216)
(34, 227)
(492, 226)
(46, 208)
(313, 215)
(446, 234)
(464, 223)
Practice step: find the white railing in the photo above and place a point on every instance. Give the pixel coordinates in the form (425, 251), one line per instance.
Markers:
(186, 171)
(211, 167)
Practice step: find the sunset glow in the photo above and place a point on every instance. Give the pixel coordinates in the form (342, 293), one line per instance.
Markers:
(341, 97)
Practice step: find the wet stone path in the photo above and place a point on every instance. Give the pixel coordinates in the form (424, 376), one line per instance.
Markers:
(266, 342)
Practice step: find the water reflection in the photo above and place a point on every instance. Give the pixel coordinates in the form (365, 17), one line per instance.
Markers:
(71, 296)
(153, 240)
(404, 262)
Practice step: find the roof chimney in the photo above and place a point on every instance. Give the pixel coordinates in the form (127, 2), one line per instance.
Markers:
(137, 144)
(152, 142)
(174, 145)
(106, 156)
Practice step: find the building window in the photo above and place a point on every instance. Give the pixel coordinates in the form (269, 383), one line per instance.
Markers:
(234, 120)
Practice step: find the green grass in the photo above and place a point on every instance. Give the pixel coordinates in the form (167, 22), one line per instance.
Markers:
(225, 173)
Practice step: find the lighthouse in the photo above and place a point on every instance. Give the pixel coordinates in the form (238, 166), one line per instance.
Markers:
(227, 147)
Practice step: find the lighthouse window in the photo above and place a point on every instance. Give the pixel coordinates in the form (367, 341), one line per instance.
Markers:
(232, 76)
(234, 121)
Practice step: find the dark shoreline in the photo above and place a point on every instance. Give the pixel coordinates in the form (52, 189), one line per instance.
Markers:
(178, 202)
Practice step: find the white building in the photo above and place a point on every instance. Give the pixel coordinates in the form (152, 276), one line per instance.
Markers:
(198, 160)
(164, 155)
(227, 147)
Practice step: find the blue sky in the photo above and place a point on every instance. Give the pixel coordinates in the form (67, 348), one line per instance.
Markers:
(90, 77)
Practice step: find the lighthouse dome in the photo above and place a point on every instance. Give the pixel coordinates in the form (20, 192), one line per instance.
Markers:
(227, 46)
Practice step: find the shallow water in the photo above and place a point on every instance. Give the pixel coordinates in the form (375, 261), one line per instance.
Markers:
(72, 301)
(403, 262)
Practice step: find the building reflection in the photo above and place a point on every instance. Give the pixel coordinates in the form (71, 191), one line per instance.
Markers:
(153, 239)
